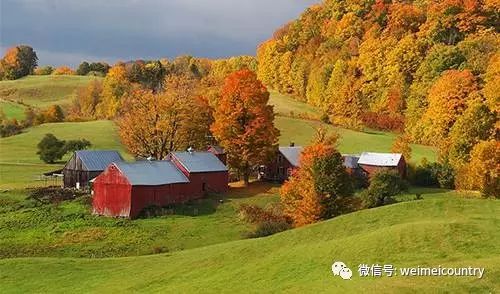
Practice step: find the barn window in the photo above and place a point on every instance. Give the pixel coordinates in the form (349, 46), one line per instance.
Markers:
(204, 187)
(280, 158)
(281, 171)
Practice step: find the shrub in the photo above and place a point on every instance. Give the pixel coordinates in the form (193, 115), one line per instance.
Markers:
(383, 186)
(382, 121)
(10, 127)
(44, 70)
(267, 221)
(434, 175)
(54, 195)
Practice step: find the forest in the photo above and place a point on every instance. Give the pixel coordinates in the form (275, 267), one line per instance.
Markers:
(427, 69)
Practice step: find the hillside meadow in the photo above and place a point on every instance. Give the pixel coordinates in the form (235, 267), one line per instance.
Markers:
(43, 91)
(443, 229)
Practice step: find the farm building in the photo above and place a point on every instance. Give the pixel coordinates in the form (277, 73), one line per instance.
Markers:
(125, 189)
(351, 163)
(285, 161)
(206, 173)
(372, 162)
(219, 152)
(85, 165)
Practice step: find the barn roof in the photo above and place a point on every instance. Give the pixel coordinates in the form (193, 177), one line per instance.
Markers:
(379, 159)
(216, 149)
(98, 160)
(292, 154)
(351, 161)
(151, 173)
(196, 162)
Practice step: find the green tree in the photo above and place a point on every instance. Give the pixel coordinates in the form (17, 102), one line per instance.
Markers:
(83, 69)
(50, 148)
(383, 185)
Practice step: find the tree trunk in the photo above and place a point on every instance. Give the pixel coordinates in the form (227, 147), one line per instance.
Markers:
(246, 178)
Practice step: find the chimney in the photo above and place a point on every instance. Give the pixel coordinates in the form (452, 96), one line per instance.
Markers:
(190, 150)
(292, 144)
(150, 158)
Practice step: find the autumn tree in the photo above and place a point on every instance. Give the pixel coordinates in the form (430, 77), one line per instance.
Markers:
(483, 171)
(85, 103)
(154, 124)
(320, 188)
(53, 114)
(401, 145)
(19, 61)
(447, 101)
(63, 70)
(115, 87)
(244, 122)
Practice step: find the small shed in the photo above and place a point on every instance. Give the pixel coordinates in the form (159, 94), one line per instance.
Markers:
(372, 162)
(219, 152)
(206, 173)
(125, 189)
(85, 165)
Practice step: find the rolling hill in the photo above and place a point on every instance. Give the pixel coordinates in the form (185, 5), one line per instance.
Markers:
(442, 230)
(43, 91)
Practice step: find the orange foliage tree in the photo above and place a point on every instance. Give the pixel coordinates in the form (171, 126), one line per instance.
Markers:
(156, 124)
(319, 189)
(63, 70)
(244, 122)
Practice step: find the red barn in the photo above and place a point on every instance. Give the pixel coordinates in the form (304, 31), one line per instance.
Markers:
(125, 189)
(285, 161)
(372, 162)
(219, 152)
(206, 173)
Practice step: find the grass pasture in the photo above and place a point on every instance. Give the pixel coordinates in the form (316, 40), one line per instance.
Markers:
(12, 110)
(43, 91)
(441, 230)
(19, 163)
(69, 230)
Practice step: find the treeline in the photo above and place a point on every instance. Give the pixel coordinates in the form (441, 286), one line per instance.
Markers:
(106, 99)
(429, 69)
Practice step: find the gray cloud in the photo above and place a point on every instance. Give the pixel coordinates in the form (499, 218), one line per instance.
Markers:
(65, 32)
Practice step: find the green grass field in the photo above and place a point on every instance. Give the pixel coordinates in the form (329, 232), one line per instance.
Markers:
(20, 166)
(43, 91)
(286, 106)
(441, 230)
(69, 229)
(12, 110)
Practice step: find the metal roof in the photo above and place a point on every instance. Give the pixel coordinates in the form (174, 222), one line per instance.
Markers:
(379, 159)
(217, 149)
(292, 154)
(351, 161)
(151, 173)
(196, 162)
(98, 160)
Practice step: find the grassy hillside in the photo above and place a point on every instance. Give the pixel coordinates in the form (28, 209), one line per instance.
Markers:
(43, 91)
(69, 229)
(285, 106)
(19, 163)
(442, 229)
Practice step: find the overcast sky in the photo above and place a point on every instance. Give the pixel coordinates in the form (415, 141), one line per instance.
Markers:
(69, 31)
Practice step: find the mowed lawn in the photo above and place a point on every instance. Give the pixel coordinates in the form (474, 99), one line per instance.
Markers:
(43, 91)
(70, 230)
(20, 166)
(442, 230)
(285, 105)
